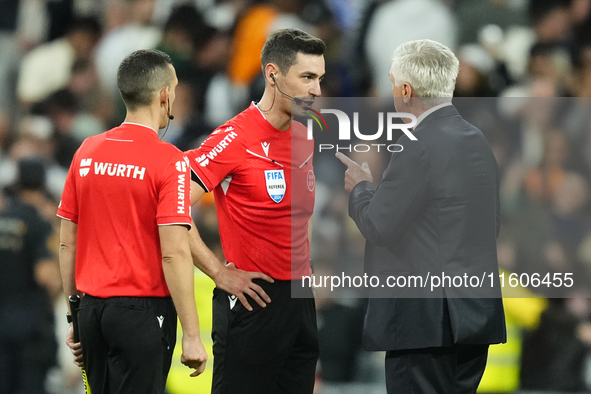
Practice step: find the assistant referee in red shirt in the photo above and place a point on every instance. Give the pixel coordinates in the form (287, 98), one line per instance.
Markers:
(124, 241)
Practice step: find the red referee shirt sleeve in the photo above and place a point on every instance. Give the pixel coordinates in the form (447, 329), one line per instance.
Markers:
(174, 196)
(217, 156)
(68, 207)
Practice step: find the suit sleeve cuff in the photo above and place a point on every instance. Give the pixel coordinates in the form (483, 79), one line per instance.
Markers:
(361, 187)
(361, 191)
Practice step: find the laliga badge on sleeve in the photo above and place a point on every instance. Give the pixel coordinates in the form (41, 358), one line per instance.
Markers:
(275, 181)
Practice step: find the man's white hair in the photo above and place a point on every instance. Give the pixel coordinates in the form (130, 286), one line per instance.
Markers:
(429, 67)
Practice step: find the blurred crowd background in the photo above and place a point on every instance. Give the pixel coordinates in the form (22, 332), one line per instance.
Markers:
(528, 62)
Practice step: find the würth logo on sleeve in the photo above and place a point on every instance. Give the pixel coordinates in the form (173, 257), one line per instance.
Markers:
(181, 193)
(216, 131)
(204, 159)
(181, 166)
(85, 166)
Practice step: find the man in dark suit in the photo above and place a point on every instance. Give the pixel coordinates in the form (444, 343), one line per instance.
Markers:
(436, 210)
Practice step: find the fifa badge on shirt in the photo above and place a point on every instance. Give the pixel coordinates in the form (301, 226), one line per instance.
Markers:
(275, 181)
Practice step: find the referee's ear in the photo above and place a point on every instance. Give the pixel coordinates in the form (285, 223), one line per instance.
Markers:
(163, 97)
(271, 70)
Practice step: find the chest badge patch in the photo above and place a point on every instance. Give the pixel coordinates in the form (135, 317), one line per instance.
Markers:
(311, 181)
(266, 146)
(275, 181)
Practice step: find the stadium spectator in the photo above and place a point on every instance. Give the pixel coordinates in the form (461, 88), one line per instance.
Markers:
(27, 341)
(476, 66)
(553, 356)
(49, 67)
(415, 19)
(473, 15)
(95, 109)
(551, 19)
(136, 33)
(252, 30)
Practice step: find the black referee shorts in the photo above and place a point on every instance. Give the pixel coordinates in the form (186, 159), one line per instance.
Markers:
(270, 350)
(127, 343)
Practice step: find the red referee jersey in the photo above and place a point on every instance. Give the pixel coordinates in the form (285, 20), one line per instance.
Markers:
(264, 186)
(121, 186)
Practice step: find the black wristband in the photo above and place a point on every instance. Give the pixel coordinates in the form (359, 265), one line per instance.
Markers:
(69, 318)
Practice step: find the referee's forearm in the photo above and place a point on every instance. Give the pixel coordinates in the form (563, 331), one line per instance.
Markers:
(203, 257)
(67, 258)
(178, 272)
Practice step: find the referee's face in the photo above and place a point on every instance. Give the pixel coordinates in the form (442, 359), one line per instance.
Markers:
(303, 78)
(171, 97)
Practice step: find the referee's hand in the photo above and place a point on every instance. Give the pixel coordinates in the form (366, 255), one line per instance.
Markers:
(238, 282)
(194, 355)
(75, 347)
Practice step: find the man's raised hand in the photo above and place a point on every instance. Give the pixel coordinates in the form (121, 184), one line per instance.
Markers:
(355, 173)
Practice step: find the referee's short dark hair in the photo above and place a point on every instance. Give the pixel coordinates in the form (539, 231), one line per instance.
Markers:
(282, 47)
(141, 75)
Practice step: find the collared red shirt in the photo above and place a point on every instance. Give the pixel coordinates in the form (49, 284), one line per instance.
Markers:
(121, 186)
(264, 187)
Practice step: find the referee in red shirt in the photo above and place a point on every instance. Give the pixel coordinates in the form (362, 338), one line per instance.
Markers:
(259, 166)
(124, 241)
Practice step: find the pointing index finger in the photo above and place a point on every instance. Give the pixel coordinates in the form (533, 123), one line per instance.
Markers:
(345, 160)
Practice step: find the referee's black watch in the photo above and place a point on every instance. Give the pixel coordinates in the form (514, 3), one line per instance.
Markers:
(69, 318)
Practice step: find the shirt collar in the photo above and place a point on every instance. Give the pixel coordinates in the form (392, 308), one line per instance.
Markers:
(256, 104)
(142, 125)
(430, 111)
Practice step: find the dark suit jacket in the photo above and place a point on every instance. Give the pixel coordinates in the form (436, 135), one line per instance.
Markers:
(435, 210)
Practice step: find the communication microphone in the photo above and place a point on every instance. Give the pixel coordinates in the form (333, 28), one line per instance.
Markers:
(170, 117)
(298, 101)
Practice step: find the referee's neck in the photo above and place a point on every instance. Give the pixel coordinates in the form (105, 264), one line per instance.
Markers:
(275, 109)
(144, 117)
(278, 120)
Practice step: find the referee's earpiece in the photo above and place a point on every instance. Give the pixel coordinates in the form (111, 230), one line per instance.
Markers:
(273, 77)
(170, 117)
